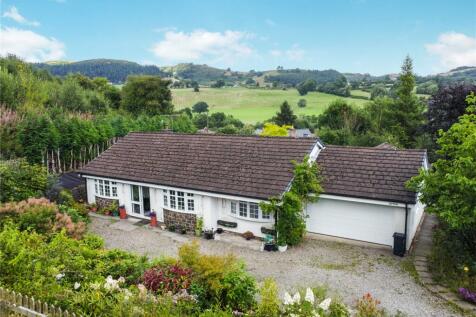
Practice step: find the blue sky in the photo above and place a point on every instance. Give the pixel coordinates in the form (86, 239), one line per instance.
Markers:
(348, 35)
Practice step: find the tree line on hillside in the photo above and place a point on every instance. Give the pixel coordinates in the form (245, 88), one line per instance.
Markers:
(116, 71)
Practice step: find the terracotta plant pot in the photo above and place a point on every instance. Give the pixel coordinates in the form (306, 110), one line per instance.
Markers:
(153, 221)
(122, 212)
(94, 209)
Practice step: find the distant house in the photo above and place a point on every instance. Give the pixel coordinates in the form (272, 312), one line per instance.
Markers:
(223, 179)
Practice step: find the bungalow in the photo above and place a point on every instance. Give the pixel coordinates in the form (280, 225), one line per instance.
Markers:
(223, 179)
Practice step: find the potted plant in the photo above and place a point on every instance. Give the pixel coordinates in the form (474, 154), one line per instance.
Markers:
(199, 227)
(282, 246)
(153, 219)
(248, 235)
(171, 228)
(93, 207)
(122, 212)
(114, 208)
(269, 244)
(183, 230)
(209, 234)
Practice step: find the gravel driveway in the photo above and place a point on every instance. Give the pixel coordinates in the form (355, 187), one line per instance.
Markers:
(348, 271)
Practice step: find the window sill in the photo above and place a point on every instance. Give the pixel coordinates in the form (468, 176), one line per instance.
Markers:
(107, 197)
(180, 211)
(251, 219)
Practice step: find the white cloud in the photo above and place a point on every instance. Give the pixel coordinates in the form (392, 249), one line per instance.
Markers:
(201, 45)
(15, 15)
(30, 46)
(294, 53)
(454, 49)
(270, 22)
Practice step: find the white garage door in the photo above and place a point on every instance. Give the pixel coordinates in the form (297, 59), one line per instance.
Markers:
(355, 220)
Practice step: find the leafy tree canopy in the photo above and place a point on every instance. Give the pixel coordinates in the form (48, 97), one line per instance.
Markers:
(147, 94)
(200, 107)
(21, 180)
(270, 129)
(449, 188)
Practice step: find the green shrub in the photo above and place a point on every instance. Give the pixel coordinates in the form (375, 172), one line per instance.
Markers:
(451, 261)
(269, 304)
(218, 280)
(40, 219)
(65, 198)
(239, 290)
(20, 180)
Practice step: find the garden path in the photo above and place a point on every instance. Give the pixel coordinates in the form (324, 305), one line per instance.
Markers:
(421, 252)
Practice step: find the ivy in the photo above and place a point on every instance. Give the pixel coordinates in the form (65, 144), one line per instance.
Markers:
(288, 209)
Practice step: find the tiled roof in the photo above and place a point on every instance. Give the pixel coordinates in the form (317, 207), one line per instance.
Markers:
(248, 166)
(372, 173)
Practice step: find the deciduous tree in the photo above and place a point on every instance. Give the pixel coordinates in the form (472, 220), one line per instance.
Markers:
(147, 94)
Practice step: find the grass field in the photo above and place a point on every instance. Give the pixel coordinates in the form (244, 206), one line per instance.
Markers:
(253, 105)
(360, 93)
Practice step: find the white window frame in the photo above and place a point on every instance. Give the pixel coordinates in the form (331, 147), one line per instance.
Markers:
(237, 208)
(106, 188)
(179, 200)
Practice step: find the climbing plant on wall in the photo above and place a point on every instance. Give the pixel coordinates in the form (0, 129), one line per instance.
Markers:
(288, 209)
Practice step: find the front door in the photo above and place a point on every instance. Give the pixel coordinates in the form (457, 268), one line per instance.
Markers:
(140, 199)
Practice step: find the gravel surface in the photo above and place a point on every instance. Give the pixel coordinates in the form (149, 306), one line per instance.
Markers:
(348, 271)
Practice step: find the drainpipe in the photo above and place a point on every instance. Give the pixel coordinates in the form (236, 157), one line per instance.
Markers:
(406, 225)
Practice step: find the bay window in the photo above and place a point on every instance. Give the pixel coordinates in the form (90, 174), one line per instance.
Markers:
(249, 210)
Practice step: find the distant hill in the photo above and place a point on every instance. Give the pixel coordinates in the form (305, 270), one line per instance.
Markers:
(293, 77)
(114, 70)
(118, 70)
(463, 72)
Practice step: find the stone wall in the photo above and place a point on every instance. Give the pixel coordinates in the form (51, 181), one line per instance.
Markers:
(104, 202)
(180, 219)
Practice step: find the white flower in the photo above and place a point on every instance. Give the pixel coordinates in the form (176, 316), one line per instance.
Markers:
(309, 296)
(287, 299)
(127, 294)
(297, 298)
(316, 314)
(325, 304)
(77, 285)
(111, 284)
(121, 279)
(59, 276)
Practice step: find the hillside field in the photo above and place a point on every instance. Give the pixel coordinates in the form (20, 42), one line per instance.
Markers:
(253, 105)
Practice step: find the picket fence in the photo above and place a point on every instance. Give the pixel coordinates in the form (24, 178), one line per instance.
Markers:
(16, 304)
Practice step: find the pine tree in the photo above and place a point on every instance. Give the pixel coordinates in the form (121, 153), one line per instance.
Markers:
(407, 113)
(285, 116)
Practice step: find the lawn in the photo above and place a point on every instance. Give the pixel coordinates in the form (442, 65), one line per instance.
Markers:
(253, 105)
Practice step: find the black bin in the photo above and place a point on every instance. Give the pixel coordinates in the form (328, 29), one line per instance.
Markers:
(399, 242)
